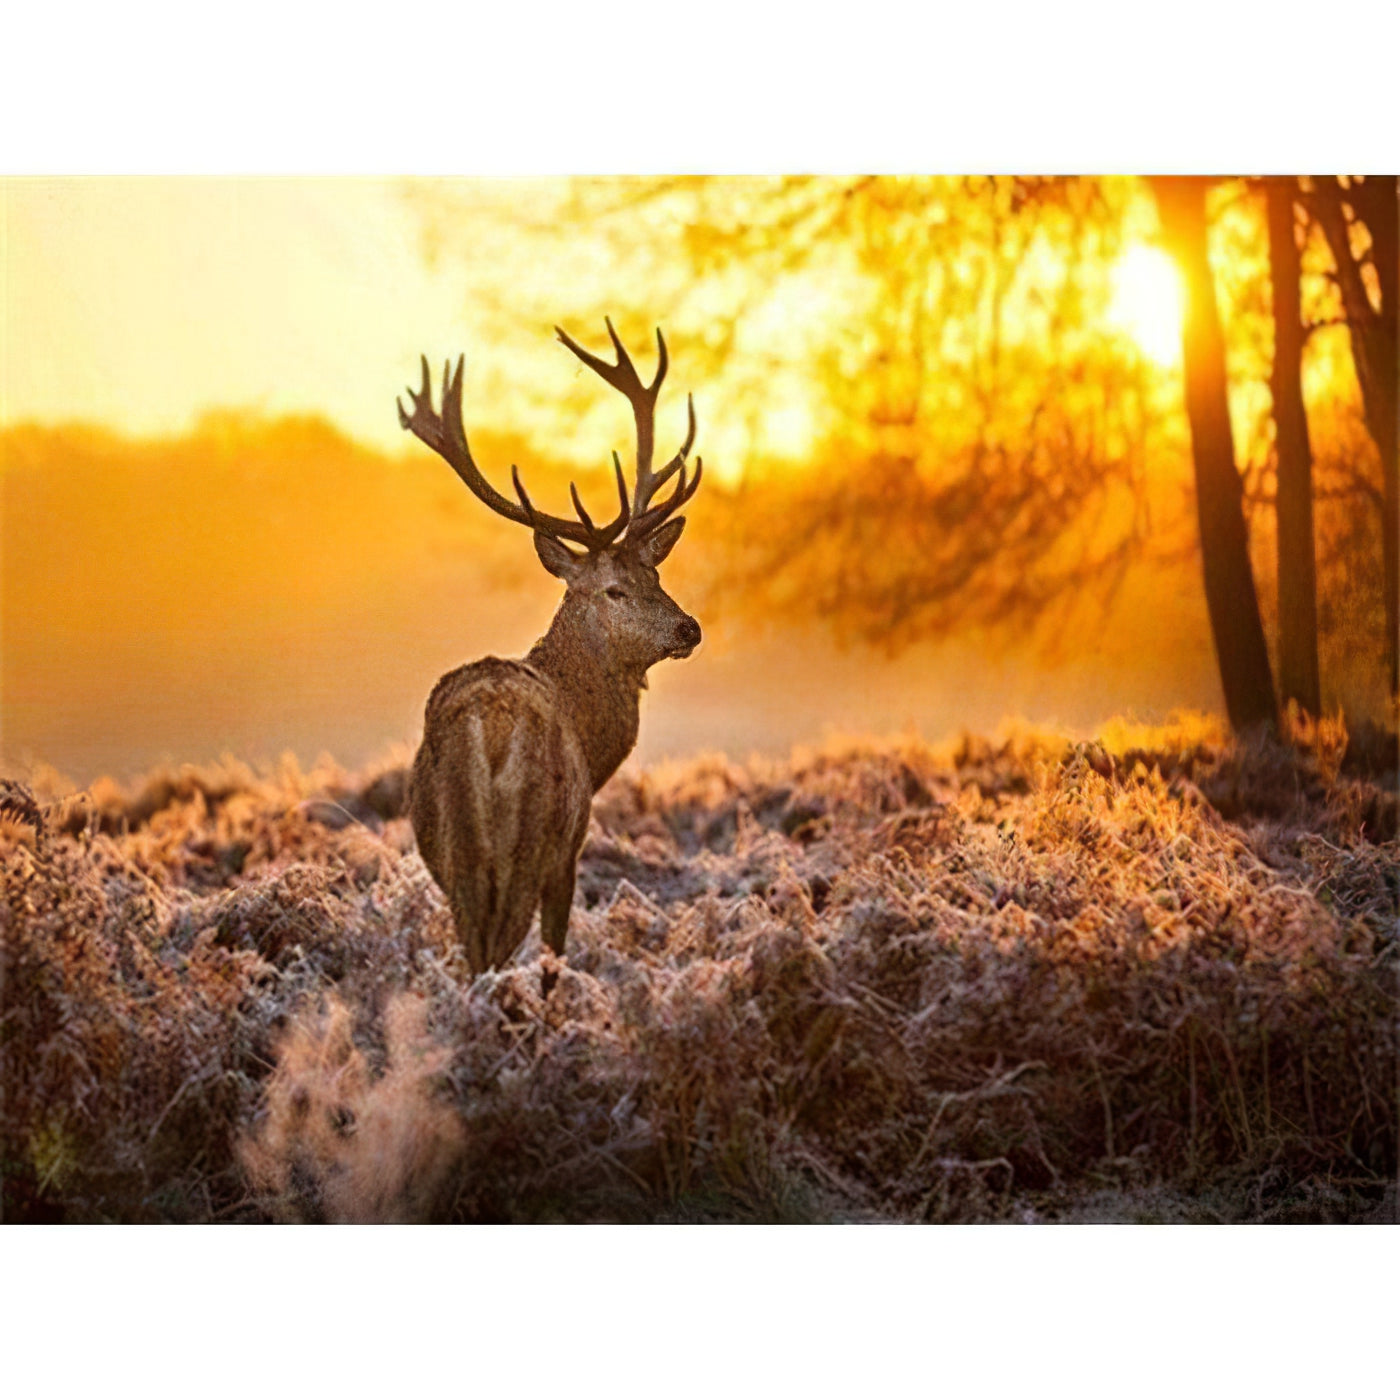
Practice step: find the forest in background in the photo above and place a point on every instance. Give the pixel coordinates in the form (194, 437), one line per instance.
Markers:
(1013, 390)
(950, 478)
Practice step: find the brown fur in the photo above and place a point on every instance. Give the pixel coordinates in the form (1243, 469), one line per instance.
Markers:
(513, 751)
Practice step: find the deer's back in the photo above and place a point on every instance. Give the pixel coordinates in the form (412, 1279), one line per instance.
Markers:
(500, 789)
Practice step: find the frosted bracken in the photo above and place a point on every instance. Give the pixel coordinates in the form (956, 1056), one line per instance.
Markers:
(1149, 977)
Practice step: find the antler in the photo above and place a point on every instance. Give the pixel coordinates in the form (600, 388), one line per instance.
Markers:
(624, 378)
(446, 436)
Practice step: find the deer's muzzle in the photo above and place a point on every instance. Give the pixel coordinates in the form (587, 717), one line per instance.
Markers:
(688, 638)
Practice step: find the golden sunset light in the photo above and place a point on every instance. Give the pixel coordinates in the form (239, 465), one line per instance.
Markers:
(1148, 301)
(968, 798)
(142, 303)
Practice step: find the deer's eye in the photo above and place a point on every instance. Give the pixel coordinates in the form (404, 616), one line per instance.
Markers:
(615, 592)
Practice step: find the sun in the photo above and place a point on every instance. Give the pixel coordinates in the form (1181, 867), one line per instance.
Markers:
(1147, 302)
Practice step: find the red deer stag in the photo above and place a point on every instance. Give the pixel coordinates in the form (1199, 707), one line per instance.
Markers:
(513, 751)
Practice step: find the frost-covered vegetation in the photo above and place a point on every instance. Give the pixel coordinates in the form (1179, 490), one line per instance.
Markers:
(1149, 977)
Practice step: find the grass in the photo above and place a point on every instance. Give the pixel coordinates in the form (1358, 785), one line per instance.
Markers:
(1151, 977)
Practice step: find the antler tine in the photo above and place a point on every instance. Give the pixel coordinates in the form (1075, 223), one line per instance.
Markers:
(520, 491)
(623, 377)
(677, 462)
(663, 362)
(645, 516)
(578, 506)
(625, 368)
(453, 430)
(447, 436)
(643, 525)
(422, 401)
(626, 513)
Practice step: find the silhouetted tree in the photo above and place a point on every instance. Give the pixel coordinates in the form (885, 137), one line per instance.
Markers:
(1359, 218)
(1236, 626)
(1297, 569)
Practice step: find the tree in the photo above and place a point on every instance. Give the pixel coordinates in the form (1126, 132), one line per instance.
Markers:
(1359, 219)
(1297, 569)
(983, 444)
(1236, 627)
(989, 452)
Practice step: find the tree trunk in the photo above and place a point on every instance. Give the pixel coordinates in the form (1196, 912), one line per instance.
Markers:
(1297, 568)
(1231, 599)
(1373, 350)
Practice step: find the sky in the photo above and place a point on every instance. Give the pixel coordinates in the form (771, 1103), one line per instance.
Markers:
(138, 303)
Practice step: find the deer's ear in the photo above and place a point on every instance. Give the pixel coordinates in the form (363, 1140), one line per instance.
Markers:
(559, 560)
(656, 547)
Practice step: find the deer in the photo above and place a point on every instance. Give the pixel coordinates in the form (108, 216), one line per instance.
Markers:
(501, 787)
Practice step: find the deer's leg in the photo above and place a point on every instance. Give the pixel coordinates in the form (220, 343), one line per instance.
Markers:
(556, 899)
(471, 935)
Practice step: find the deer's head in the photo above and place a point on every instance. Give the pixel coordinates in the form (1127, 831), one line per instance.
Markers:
(615, 602)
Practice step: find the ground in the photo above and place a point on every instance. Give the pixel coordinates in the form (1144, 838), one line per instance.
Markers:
(1148, 977)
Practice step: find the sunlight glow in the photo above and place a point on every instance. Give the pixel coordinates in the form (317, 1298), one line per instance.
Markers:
(141, 303)
(1147, 302)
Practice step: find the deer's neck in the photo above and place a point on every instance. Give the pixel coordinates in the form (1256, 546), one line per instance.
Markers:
(602, 699)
